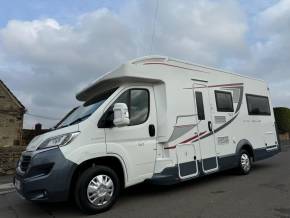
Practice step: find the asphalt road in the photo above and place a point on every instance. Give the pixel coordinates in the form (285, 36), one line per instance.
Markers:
(265, 192)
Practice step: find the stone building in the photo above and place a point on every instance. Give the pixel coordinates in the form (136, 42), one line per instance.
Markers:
(11, 118)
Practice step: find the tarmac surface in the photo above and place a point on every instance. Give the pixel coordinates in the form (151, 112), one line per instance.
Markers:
(265, 192)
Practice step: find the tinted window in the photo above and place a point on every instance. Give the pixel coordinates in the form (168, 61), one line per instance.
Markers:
(137, 101)
(258, 105)
(139, 106)
(107, 119)
(124, 98)
(199, 106)
(224, 101)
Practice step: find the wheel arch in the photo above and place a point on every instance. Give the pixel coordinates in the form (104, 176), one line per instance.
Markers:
(112, 161)
(246, 145)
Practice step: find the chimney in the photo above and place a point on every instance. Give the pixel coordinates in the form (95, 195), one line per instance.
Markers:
(38, 128)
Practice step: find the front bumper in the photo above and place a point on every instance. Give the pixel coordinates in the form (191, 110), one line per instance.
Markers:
(47, 177)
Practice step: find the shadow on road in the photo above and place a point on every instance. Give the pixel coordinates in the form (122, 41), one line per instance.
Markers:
(146, 190)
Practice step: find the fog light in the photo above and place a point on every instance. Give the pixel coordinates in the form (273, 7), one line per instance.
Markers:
(38, 195)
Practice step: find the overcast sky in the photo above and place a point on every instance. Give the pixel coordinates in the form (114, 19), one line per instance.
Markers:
(50, 49)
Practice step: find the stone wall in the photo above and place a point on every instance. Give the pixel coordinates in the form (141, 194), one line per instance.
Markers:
(10, 130)
(8, 159)
(11, 120)
(9, 155)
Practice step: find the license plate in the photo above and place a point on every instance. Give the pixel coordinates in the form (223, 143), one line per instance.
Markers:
(17, 184)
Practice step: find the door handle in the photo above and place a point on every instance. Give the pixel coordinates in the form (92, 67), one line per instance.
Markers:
(151, 130)
(209, 126)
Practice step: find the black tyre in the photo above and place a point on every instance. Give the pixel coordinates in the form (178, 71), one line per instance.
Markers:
(245, 162)
(97, 189)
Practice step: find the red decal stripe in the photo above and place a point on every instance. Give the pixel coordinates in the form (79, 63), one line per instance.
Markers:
(187, 140)
(192, 138)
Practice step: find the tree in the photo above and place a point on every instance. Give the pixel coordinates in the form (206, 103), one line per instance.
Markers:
(282, 116)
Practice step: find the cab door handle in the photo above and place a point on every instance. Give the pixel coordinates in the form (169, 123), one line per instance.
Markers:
(151, 130)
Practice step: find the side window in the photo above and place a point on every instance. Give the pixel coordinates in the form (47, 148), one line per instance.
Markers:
(124, 98)
(107, 119)
(258, 105)
(137, 101)
(139, 106)
(199, 105)
(224, 101)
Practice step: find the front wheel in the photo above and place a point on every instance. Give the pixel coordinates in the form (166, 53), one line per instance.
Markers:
(97, 189)
(245, 162)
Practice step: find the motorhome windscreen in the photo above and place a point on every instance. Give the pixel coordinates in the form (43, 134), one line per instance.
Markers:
(86, 110)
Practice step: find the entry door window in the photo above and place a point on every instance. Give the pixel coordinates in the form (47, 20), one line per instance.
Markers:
(199, 106)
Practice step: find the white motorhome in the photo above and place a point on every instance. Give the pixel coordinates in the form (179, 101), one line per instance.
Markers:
(153, 119)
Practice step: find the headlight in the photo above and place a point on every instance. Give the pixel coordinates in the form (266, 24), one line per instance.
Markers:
(59, 140)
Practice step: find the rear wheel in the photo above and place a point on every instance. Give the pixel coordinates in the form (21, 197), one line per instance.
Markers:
(97, 189)
(245, 162)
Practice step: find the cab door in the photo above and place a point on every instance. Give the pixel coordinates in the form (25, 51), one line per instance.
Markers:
(206, 139)
(135, 143)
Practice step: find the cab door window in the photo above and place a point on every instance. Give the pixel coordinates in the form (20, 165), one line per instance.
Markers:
(138, 106)
(137, 101)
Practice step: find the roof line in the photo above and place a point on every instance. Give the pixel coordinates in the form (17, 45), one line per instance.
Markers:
(12, 95)
(166, 59)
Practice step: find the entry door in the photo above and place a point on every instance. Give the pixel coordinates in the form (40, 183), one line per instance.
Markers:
(136, 143)
(207, 145)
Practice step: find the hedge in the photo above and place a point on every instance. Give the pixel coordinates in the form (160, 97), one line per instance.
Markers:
(282, 116)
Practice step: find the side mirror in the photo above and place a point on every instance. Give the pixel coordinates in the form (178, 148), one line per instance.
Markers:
(121, 115)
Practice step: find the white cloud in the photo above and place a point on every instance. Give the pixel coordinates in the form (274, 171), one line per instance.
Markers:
(201, 31)
(45, 62)
(270, 56)
(275, 19)
(55, 60)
